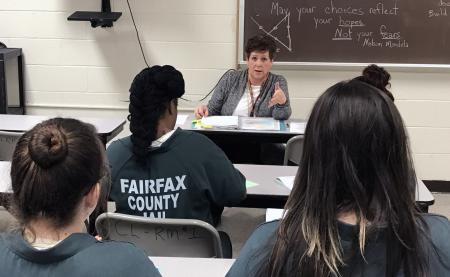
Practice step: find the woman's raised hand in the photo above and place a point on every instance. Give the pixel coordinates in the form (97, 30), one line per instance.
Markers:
(278, 96)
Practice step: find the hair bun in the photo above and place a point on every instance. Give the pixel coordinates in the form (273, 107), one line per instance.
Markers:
(377, 75)
(48, 146)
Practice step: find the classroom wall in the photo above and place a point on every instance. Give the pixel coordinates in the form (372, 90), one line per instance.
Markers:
(72, 69)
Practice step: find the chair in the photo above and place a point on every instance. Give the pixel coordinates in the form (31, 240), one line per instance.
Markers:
(8, 142)
(169, 237)
(7, 221)
(294, 150)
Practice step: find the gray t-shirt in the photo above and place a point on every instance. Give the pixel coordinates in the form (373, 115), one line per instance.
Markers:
(255, 249)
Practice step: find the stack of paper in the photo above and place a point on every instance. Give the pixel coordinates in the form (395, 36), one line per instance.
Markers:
(287, 181)
(5, 178)
(222, 122)
(273, 214)
(297, 127)
(181, 119)
(260, 123)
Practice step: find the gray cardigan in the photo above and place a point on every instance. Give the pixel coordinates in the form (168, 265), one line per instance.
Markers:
(231, 88)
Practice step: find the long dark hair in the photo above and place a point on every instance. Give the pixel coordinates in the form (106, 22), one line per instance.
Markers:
(151, 92)
(53, 166)
(355, 158)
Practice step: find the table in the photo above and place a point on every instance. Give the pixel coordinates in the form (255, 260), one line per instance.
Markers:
(231, 135)
(198, 267)
(107, 128)
(271, 194)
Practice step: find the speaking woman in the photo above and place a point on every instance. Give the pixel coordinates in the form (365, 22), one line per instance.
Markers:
(254, 91)
(352, 209)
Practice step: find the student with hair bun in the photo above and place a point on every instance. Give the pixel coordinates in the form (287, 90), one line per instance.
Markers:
(55, 173)
(377, 77)
(352, 209)
(164, 172)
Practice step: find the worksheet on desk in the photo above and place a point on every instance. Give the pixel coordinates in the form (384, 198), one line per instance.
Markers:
(5, 177)
(221, 121)
(260, 123)
(181, 119)
(297, 127)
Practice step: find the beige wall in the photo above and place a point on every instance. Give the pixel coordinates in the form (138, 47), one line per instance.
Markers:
(73, 69)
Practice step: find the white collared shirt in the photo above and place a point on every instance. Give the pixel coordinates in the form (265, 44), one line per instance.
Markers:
(158, 142)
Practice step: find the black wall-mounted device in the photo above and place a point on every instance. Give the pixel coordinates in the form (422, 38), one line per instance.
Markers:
(105, 18)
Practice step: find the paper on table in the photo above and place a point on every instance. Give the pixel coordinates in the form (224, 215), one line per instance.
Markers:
(227, 122)
(273, 214)
(5, 177)
(181, 119)
(250, 184)
(287, 181)
(297, 127)
(260, 123)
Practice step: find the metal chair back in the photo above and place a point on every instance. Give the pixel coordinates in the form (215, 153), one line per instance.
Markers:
(167, 237)
(8, 141)
(294, 150)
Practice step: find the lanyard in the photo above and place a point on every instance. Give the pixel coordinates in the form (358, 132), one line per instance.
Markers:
(252, 101)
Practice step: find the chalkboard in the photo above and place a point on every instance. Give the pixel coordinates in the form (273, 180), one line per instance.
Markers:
(351, 31)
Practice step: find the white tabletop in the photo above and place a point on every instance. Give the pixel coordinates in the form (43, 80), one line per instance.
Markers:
(265, 175)
(198, 267)
(21, 123)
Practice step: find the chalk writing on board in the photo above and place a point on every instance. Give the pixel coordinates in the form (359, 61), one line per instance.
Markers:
(440, 10)
(347, 18)
(284, 22)
(397, 31)
(270, 33)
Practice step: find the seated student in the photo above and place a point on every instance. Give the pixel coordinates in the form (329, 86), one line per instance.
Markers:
(165, 173)
(352, 210)
(55, 171)
(253, 91)
(377, 77)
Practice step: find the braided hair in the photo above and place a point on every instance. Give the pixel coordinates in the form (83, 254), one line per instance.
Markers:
(151, 92)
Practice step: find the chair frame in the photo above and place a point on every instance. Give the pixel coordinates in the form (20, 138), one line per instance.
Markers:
(114, 218)
(293, 144)
(6, 151)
